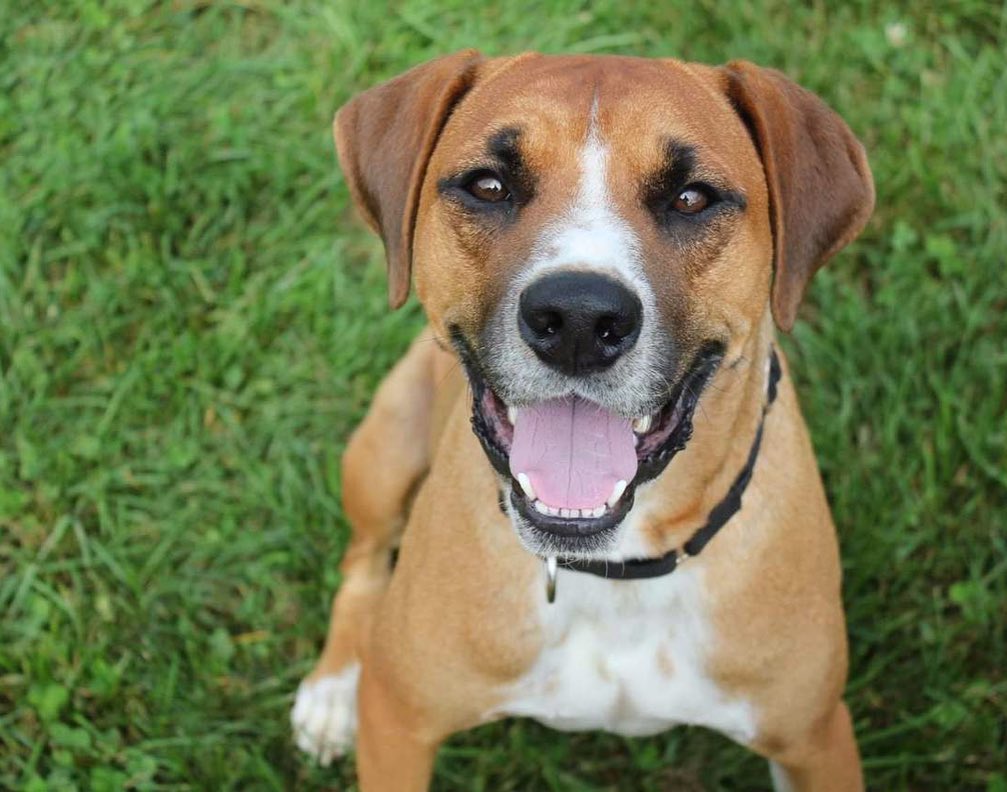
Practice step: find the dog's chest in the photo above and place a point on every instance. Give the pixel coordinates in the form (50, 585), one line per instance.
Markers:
(627, 657)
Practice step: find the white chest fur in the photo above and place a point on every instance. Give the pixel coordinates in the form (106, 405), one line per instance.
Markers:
(626, 657)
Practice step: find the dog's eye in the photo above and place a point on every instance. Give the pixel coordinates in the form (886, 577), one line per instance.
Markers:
(488, 187)
(692, 200)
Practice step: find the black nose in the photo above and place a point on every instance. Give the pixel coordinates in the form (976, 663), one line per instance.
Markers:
(579, 322)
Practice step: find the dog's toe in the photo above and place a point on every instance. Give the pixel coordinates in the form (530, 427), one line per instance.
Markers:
(324, 717)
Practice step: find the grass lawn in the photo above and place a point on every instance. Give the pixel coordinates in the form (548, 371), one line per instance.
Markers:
(191, 321)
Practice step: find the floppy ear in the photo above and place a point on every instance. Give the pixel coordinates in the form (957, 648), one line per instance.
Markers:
(821, 192)
(384, 138)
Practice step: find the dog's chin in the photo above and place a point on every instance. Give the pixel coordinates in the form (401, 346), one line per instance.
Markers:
(567, 537)
(549, 540)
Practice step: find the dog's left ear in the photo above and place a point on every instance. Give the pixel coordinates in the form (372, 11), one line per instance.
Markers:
(384, 138)
(821, 192)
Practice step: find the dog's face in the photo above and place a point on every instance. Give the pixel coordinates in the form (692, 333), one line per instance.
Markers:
(596, 236)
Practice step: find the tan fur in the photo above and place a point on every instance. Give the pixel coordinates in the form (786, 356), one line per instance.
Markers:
(441, 639)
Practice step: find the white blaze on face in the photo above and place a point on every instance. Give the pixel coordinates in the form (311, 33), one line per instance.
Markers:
(591, 235)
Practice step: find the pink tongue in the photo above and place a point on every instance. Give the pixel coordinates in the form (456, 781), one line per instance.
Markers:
(573, 452)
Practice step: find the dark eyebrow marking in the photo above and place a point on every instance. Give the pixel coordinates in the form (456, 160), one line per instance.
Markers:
(681, 167)
(503, 156)
(680, 163)
(503, 146)
(676, 171)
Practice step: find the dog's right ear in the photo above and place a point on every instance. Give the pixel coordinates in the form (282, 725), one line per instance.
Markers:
(384, 138)
(821, 191)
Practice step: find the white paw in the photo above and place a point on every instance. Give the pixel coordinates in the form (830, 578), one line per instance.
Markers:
(325, 715)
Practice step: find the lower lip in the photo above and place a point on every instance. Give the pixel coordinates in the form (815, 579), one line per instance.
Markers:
(571, 526)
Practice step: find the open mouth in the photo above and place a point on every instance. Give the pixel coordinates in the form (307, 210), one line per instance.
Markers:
(573, 465)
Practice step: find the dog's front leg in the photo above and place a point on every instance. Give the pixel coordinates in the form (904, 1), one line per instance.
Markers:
(827, 760)
(395, 749)
(384, 463)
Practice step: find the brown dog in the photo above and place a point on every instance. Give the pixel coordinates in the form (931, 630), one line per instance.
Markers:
(603, 243)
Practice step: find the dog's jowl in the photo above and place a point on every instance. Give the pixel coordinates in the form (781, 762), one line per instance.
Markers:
(592, 461)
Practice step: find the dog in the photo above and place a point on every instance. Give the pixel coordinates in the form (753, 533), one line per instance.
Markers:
(591, 464)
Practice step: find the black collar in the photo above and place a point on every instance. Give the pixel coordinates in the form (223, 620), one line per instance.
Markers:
(729, 505)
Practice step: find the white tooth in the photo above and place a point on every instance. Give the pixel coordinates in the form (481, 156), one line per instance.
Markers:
(564, 512)
(540, 507)
(525, 482)
(617, 490)
(553, 511)
(598, 511)
(512, 416)
(575, 512)
(642, 425)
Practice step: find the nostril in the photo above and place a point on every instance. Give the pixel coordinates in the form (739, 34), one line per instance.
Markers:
(606, 331)
(612, 330)
(545, 323)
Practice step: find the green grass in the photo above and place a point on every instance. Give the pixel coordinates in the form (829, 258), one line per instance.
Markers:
(191, 321)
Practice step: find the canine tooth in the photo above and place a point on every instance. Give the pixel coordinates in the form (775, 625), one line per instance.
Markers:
(540, 507)
(525, 482)
(512, 415)
(642, 425)
(553, 511)
(617, 490)
(598, 511)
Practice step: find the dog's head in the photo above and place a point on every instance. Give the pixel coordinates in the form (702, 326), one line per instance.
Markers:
(595, 235)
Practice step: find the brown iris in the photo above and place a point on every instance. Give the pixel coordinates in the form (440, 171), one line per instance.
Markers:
(489, 188)
(692, 200)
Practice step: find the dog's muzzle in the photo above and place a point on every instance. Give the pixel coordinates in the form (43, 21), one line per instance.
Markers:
(573, 465)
